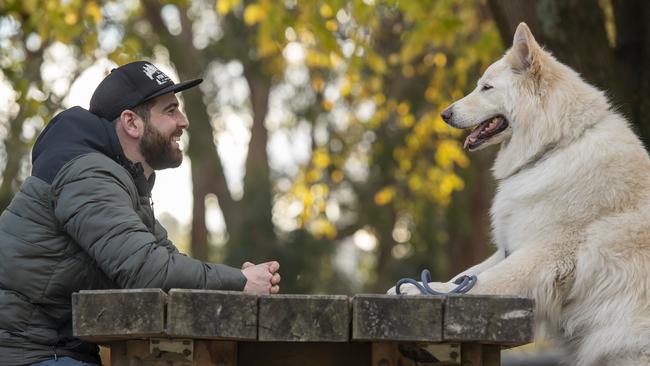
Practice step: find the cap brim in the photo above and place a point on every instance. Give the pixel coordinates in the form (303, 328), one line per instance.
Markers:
(184, 85)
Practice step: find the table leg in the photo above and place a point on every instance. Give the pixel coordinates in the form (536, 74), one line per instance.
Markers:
(476, 354)
(491, 355)
(471, 354)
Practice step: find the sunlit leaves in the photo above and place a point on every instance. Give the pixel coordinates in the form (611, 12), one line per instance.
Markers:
(409, 60)
(253, 14)
(225, 6)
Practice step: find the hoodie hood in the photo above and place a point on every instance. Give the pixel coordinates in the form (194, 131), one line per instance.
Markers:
(75, 132)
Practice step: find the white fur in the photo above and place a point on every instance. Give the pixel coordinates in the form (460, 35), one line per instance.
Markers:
(572, 208)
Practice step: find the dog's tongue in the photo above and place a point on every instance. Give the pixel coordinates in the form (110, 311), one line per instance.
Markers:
(472, 137)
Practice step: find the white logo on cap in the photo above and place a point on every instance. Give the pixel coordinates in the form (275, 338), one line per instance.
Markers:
(154, 74)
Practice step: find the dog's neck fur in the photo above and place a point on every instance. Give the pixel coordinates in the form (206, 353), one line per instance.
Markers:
(536, 134)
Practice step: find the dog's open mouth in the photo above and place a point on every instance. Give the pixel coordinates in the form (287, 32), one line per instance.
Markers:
(484, 131)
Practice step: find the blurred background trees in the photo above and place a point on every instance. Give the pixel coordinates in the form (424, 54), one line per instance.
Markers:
(315, 138)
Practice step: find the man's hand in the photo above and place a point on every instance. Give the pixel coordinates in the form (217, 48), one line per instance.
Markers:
(261, 278)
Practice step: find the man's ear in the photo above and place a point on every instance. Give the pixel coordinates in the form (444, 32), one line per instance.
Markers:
(131, 124)
(525, 52)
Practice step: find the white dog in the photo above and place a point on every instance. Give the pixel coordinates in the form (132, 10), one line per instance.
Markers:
(571, 216)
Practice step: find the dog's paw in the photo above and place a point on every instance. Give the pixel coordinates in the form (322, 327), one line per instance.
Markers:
(443, 287)
(405, 289)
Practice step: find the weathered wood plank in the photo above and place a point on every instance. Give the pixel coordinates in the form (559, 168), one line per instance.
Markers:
(503, 320)
(397, 318)
(104, 315)
(212, 314)
(304, 318)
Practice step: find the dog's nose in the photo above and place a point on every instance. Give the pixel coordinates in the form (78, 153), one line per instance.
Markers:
(446, 115)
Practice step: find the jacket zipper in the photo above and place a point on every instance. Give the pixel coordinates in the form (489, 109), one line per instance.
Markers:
(153, 216)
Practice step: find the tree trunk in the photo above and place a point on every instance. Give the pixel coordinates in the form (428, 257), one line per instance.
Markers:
(254, 239)
(207, 171)
(468, 216)
(15, 146)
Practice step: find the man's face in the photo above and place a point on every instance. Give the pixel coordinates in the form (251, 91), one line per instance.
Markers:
(159, 144)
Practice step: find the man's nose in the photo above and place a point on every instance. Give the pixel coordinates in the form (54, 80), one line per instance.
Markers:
(183, 121)
(447, 114)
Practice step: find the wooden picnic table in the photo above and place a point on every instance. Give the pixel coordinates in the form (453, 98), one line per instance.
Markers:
(205, 327)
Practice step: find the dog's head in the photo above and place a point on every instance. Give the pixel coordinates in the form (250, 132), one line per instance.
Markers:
(506, 89)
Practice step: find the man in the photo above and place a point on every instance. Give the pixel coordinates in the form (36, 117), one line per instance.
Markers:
(83, 219)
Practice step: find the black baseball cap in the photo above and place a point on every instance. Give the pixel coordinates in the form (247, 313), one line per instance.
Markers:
(131, 84)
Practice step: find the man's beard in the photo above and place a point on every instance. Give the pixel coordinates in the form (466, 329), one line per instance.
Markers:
(158, 150)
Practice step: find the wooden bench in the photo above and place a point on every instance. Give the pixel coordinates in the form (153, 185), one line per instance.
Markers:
(204, 327)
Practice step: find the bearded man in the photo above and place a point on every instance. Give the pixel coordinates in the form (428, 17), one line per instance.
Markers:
(84, 218)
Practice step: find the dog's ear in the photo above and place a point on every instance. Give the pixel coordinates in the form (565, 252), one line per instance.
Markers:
(525, 53)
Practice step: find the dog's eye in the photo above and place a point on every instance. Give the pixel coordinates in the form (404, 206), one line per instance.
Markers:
(486, 87)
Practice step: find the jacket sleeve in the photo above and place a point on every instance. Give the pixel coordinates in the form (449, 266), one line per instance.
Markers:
(94, 205)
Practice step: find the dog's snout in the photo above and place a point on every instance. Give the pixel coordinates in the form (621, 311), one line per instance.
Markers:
(447, 114)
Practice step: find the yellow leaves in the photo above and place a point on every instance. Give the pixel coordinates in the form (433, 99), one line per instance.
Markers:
(337, 176)
(328, 105)
(450, 152)
(93, 11)
(403, 108)
(415, 183)
(376, 85)
(335, 60)
(225, 6)
(331, 25)
(384, 196)
(321, 227)
(393, 59)
(317, 83)
(379, 99)
(408, 71)
(326, 11)
(321, 159)
(266, 46)
(450, 183)
(313, 175)
(440, 59)
(346, 87)
(376, 63)
(313, 202)
(50, 5)
(253, 14)
(407, 121)
(316, 59)
(71, 17)
(430, 94)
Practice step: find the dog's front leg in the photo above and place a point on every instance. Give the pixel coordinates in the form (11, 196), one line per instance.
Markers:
(529, 271)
